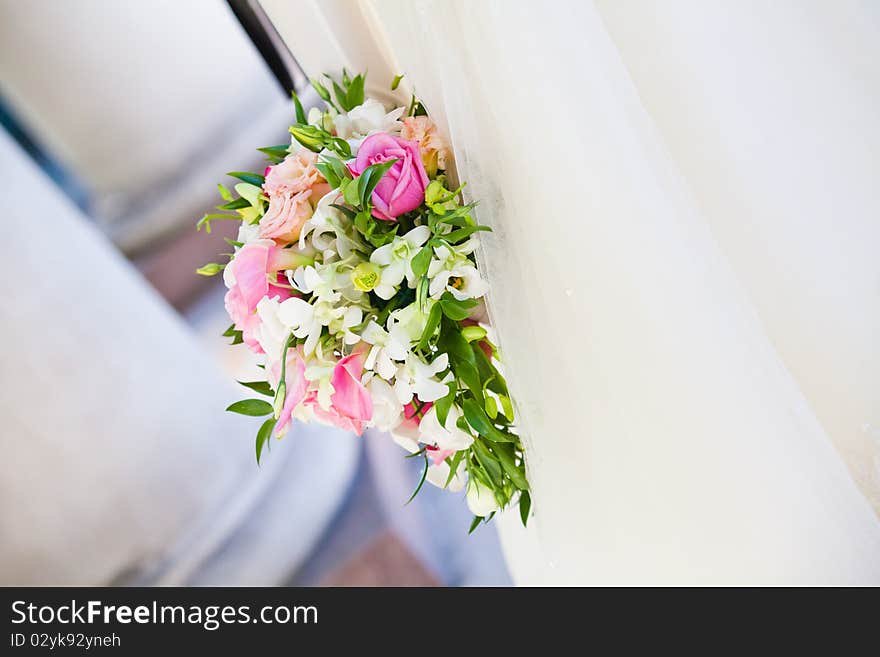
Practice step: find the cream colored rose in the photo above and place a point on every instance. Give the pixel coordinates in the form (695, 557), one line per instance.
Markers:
(432, 146)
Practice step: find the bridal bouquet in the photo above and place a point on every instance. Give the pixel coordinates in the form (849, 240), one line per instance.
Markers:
(354, 279)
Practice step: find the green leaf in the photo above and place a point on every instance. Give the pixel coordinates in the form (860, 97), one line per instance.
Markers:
(456, 310)
(421, 481)
(507, 458)
(355, 95)
(211, 269)
(264, 435)
(455, 345)
(350, 193)
(328, 173)
(431, 325)
(476, 417)
(470, 377)
(489, 462)
(396, 82)
(300, 112)
(228, 333)
(368, 180)
(237, 204)
(225, 194)
(445, 403)
(253, 407)
(341, 96)
(259, 386)
(475, 523)
(248, 177)
(491, 407)
(453, 461)
(422, 261)
(348, 212)
(422, 293)
(276, 153)
(506, 406)
(525, 505)
(341, 146)
(460, 233)
(488, 372)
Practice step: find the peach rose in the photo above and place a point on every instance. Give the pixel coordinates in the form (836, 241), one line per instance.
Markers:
(293, 187)
(432, 147)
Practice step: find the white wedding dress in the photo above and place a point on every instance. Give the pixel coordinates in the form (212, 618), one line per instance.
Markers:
(685, 267)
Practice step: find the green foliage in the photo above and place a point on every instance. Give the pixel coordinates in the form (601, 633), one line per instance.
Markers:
(261, 387)
(264, 436)
(276, 153)
(253, 407)
(211, 269)
(246, 176)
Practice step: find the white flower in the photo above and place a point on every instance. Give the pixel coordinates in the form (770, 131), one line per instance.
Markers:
(395, 259)
(307, 320)
(416, 377)
(271, 334)
(452, 271)
(320, 222)
(299, 316)
(409, 322)
(366, 119)
(319, 281)
(341, 325)
(407, 436)
(463, 281)
(387, 410)
(439, 474)
(444, 437)
(387, 348)
(248, 233)
(480, 500)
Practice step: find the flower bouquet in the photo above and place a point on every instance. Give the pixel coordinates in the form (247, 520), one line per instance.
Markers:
(353, 277)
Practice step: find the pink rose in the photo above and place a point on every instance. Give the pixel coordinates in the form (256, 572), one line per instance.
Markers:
(292, 186)
(402, 188)
(248, 277)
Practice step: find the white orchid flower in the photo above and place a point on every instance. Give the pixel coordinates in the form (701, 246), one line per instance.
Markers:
(451, 270)
(463, 281)
(395, 259)
(409, 321)
(319, 281)
(320, 222)
(352, 316)
(271, 333)
(438, 475)
(247, 233)
(444, 437)
(416, 377)
(307, 321)
(388, 346)
(366, 119)
(387, 410)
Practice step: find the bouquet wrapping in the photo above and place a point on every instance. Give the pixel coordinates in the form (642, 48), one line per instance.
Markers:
(353, 277)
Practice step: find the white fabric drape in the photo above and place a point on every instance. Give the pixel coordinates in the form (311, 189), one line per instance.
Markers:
(685, 274)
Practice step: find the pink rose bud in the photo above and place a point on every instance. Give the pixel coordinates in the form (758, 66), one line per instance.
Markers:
(402, 188)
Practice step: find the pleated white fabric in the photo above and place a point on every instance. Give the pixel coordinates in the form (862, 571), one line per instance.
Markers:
(685, 275)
